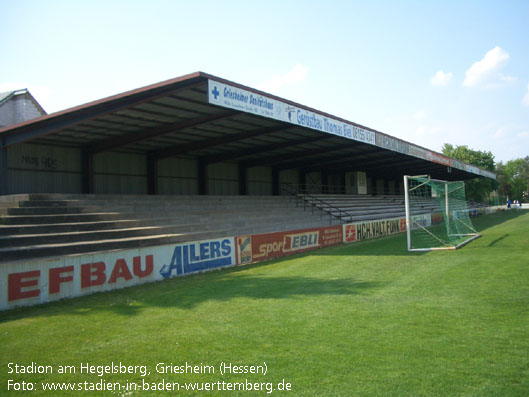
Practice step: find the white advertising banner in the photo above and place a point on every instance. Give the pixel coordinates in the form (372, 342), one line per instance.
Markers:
(246, 101)
(24, 283)
(424, 220)
(232, 97)
(364, 230)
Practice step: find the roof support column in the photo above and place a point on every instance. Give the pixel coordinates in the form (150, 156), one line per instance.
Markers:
(325, 180)
(152, 175)
(202, 177)
(342, 182)
(373, 186)
(275, 182)
(87, 172)
(3, 169)
(302, 179)
(243, 179)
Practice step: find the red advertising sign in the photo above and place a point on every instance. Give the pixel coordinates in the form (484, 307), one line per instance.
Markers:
(273, 245)
(350, 233)
(437, 217)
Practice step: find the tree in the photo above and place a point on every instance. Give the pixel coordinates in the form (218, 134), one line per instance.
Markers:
(477, 189)
(513, 177)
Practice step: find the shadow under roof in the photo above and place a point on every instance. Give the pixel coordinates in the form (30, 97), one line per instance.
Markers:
(178, 117)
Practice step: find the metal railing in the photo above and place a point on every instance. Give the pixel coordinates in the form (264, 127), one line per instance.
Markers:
(340, 189)
(308, 199)
(319, 189)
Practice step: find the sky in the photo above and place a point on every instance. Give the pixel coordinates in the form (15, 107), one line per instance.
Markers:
(428, 72)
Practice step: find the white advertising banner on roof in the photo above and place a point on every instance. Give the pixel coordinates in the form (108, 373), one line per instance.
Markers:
(246, 101)
(232, 97)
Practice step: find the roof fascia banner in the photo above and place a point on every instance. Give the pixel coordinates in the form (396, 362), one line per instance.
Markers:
(246, 101)
(236, 98)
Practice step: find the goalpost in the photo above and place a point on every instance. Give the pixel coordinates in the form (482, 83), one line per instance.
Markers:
(437, 216)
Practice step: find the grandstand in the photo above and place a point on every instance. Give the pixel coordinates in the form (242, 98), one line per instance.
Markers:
(350, 208)
(354, 208)
(39, 225)
(185, 161)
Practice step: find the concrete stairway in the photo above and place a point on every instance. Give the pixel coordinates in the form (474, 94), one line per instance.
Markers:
(38, 225)
(356, 208)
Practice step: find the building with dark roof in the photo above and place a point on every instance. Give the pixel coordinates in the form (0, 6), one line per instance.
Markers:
(18, 106)
(200, 134)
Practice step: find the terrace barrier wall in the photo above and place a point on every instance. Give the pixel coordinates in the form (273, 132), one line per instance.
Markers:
(31, 282)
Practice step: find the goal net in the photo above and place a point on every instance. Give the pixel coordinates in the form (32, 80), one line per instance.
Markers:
(437, 216)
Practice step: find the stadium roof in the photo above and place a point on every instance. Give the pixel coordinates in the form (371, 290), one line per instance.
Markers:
(215, 120)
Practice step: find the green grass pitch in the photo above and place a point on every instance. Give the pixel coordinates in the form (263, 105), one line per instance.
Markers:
(362, 319)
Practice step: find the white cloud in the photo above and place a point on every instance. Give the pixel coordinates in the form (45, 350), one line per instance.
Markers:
(507, 79)
(486, 71)
(276, 82)
(441, 78)
(525, 99)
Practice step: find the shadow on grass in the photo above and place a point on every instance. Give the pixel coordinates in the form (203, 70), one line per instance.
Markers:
(393, 245)
(499, 239)
(483, 222)
(191, 291)
(396, 245)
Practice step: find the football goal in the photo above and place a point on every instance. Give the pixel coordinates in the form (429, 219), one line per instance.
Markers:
(437, 216)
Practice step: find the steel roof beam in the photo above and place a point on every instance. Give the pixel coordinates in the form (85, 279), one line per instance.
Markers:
(372, 158)
(259, 149)
(221, 140)
(277, 159)
(414, 163)
(318, 162)
(125, 139)
(54, 122)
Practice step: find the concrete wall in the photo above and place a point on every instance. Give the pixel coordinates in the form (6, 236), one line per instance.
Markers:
(313, 181)
(259, 181)
(223, 179)
(178, 176)
(379, 186)
(122, 173)
(391, 187)
(49, 169)
(43, 169)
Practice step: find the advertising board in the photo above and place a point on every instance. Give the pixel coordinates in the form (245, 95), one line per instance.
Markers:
(233, 97)
(237, 98)
(370, 229)
(259, 247)
(422, 220)
(43, 280)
